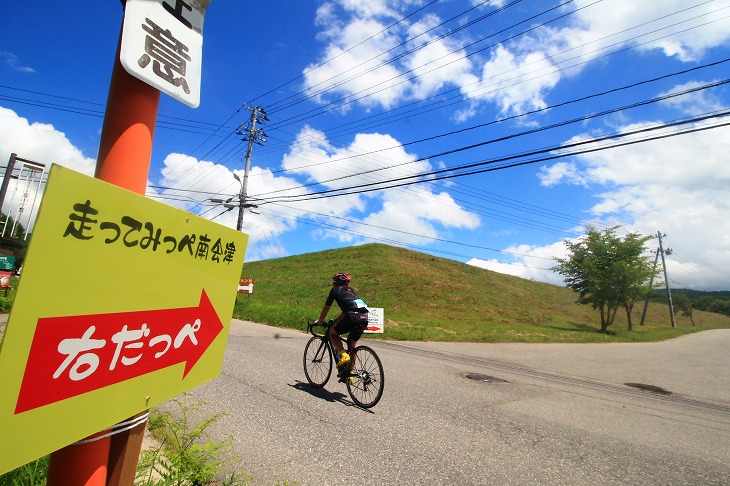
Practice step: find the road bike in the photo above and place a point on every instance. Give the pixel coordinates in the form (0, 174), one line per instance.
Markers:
(364, 378)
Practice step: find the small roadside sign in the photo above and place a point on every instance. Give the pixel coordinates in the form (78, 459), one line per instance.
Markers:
(138, 313)
(376, 320)
(245, 286)
(162, 45)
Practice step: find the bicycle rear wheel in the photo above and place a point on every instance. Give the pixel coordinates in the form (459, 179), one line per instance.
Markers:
(367, 378)
(317, 362)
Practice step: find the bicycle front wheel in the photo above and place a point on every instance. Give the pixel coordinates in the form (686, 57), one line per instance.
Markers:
(367, 379)
(317, 362)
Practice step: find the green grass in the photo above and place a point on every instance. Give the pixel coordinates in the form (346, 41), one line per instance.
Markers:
(32, 474)
(436, 299)
(185, 455)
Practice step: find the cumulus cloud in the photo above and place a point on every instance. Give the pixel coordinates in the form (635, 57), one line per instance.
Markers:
(517, 75)
(413, 60)
(560, 172)
(192, 177)
(529, 262)
(436, 62)
(633, 19)
(40, 142)
(374, 67)
(313, 163)
(516, 82)
(411, 214)
(677, 186)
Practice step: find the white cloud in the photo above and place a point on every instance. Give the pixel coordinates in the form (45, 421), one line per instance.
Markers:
(562, 171)
(437, 62)
(418, 216)
(515, 82)
(518, 75)
(530, 262)
(14, 62)
(313, 157)
(41, 143)
(369, 9)
(375, 74)
(416, 210)
(677, 186)
(696, 103)
(183, 171)
(636, 18)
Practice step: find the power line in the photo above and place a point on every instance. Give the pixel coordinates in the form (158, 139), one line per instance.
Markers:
(401, 55)
(518, 134)
(271, 107)
(333, 105)
(437, 174)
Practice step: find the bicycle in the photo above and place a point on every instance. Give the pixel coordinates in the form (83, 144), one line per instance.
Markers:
(365, 378)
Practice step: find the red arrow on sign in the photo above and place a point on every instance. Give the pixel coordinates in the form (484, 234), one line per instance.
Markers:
(73, 355)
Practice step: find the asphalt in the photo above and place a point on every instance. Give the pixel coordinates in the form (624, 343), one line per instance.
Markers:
(690, 365)
(678, 365)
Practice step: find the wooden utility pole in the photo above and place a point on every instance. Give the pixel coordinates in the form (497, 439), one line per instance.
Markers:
(666, 279)
(648, 293)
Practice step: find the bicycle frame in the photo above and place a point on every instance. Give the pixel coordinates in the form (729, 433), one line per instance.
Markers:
(326, 337)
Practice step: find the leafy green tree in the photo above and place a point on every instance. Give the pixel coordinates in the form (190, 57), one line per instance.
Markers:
(683, 304)
(16, 244)
(19, 228)
(719, 304)
(606, 271)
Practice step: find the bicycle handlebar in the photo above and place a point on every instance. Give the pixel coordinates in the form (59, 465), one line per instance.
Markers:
(311, 325)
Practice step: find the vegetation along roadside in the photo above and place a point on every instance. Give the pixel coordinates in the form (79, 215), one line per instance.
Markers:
(430, 298)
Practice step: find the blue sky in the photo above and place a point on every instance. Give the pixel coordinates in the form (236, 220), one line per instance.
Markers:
(396, 92)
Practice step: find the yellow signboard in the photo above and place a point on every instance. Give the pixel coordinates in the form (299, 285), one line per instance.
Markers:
(124, 303)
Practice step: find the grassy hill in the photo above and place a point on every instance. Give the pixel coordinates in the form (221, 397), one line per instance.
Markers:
(431, 298)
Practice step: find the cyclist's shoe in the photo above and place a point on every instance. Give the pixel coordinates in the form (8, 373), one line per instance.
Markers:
(343, 378)
(344, 359)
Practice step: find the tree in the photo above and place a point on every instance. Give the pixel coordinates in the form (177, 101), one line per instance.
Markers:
(684, 304)
(17, 246)
(7, 223)
(607, 272)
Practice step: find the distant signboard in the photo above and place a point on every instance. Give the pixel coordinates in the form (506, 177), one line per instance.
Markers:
(7, 262)
(376, 320)
(245, 286)
(162, 45)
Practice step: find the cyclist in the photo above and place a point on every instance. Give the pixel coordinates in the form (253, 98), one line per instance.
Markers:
(353, 319)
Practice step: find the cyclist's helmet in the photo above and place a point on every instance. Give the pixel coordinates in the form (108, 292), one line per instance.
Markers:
(341, 278)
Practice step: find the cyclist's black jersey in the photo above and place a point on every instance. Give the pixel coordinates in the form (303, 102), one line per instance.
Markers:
(346, 298)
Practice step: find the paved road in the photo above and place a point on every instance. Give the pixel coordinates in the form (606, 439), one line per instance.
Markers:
(563, 416)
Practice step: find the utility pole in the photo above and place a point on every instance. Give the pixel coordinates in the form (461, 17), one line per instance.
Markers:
(666, 279)
(648, 293)
(252, 135)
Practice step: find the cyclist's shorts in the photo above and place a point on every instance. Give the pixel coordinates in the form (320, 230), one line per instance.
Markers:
(353, 323)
